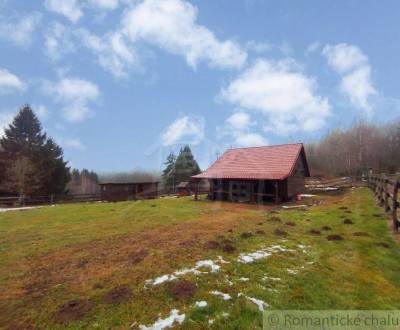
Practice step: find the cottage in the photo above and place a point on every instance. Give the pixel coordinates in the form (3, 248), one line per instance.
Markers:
(257, 174)
(117, 191)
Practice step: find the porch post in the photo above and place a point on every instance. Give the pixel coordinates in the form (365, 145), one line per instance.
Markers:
(196, 190)
(276, 192)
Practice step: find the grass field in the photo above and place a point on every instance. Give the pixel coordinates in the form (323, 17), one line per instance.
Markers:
(102, 265)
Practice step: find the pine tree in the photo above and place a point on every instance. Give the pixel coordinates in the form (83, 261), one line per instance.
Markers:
(185, 165)
(168, 175)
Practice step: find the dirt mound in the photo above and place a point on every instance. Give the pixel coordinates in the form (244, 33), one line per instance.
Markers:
(326, 228)
(260, 223)
(343, 208)
(183, 289)
(290, 223)
(280, 232)
(246, 235)
(275, 219)
(136, 257)
(188, 243)
(212, 245)
(315, 232)
(376, 215)
(360, 233)
(334, 237)
(228, 247)
(348, 222)
(82, 263)
(384, 245)
(118, 295)
(73, 310)
(348, 212)
(260, 232)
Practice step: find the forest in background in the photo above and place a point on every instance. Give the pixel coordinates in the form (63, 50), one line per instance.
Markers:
(356, 150)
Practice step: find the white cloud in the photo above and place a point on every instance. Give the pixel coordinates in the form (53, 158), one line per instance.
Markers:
(171, 25)
(5, 119)
(250, 140)
(68, 8)
(313, 47)
(344, 58)
(187, 129)
(239, 120)
(19, 30)
(237, 128)
(104, 4)
(75, 95)
(353, 65)
(259, 47)
(9, 82)
(73, 143)
(58, 41)
(281, 93)
(112, 52)
(357, 85)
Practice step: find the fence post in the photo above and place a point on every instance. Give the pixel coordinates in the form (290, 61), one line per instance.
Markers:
(385, 194)
(395, 205)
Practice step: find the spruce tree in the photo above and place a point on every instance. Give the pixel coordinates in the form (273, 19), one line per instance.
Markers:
(168, 175)
(185, 165)
(35, 164)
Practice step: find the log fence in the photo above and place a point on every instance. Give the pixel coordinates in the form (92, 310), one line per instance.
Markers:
(386, 190)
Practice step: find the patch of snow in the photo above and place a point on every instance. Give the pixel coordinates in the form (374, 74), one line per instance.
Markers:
(244, 279)
(195, 270)
(260, 303)
(211, 321)
(307, 195)
(292, 271)
(271, 278)
(224, 296)
(225, 314)
(168, 322)
(222, 261)
(293, 206)
(201, 304)
(325, 188)
(19, 208)
(230, 283)
(251, 257)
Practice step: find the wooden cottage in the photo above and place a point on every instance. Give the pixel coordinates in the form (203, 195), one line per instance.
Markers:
(117, 191)
(257, 174)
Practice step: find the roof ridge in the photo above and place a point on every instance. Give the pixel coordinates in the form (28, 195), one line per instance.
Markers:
(271, 146)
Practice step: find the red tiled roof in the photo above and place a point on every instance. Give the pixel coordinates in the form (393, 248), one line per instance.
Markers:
(256, 163)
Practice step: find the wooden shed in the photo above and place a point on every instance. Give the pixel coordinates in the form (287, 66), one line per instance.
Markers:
(117, 191)
(258, 174)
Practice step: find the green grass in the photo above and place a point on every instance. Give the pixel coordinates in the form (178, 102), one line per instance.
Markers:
(42, 251)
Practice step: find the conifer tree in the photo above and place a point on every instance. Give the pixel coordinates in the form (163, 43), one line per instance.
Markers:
(185, 165)
(168, 175)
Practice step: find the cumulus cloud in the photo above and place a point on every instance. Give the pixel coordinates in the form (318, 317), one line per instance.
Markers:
(112, 52)
(238, 128)
(75, 95)
(282, 94)
(353, 65)
(69, 8)
(171, 25)
(187, 129)
(58, 41)
(104, 4)
(19, 30)
(10, 82)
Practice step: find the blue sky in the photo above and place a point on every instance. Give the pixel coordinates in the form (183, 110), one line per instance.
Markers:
(120, 83)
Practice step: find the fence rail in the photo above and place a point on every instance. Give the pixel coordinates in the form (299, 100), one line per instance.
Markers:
(386, 190)
(11, 201)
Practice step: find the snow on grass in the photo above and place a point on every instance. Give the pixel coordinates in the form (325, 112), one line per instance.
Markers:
(213, 267)
(260, 303)
(168, 322)
(224, 296)
(294, 206)
(292, 271)
(201, 304)
(262, 254)
(19, 208)
(244, 279)
(275, 279)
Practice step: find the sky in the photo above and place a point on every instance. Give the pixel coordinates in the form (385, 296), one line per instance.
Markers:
(121, 83)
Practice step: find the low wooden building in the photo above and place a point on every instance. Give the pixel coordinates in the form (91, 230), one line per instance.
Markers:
(117, 191)
(257, 174)
(184, 188)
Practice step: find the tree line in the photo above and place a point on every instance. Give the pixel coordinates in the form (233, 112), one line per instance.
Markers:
(357, 150)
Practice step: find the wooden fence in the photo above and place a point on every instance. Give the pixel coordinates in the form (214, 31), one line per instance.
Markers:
(45, 200)
(386, 190)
